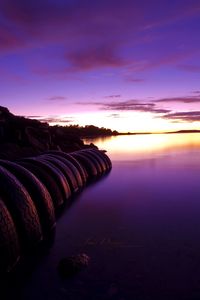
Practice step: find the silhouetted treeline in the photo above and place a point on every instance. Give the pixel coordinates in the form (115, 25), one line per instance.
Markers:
(88, 131)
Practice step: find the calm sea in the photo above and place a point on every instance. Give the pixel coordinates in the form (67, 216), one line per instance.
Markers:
(140, 225)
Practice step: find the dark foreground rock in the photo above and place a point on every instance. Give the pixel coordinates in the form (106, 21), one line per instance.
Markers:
(71, 265)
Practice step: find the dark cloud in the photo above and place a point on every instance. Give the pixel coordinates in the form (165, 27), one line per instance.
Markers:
(105, 55)
(92, 58)
(186, 116)
(56, 98)
(68, 22)
(104, 26)
(94, 17)
(185, 99)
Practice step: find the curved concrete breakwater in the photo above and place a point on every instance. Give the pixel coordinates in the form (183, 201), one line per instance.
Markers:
(33, 191)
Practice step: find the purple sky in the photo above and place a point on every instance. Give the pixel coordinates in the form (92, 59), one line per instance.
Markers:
(128, 65)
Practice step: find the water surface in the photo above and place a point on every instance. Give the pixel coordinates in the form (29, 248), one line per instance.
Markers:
(140, 225)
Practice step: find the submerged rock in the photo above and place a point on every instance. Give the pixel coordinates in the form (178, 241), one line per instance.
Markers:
(71, 265)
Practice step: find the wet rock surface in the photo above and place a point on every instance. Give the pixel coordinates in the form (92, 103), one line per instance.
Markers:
(71, 265)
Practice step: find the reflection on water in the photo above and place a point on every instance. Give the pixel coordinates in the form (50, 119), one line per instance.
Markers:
(140, 225)
(128, 147)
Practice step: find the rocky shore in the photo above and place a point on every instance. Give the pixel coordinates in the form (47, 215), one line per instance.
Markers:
(42, 168)
(23, 137)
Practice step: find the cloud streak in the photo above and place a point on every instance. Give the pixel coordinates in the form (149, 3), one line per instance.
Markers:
(185, 99)
(33, 117)
(56, 98)
(133, 105)
(128, 105)
(153, 107)
(186, 116)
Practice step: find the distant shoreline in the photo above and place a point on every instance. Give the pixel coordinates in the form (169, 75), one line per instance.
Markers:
(167, 132)
(141, 133)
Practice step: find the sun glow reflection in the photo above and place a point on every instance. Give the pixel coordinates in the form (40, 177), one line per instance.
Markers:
(128, 147)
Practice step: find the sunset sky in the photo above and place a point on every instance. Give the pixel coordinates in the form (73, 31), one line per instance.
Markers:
(129, 65)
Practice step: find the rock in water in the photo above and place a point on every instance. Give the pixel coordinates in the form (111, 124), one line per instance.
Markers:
(71, 265)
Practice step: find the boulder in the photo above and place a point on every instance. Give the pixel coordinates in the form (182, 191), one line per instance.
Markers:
(71, 265)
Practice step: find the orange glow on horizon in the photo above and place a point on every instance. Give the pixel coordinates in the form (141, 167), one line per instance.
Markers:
(140, 146)
(128, 122)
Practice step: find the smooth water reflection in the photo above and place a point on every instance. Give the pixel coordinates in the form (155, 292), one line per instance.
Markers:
(140, 225)
(131, 147)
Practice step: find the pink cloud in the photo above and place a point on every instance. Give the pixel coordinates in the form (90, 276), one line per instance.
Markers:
(92, 58)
